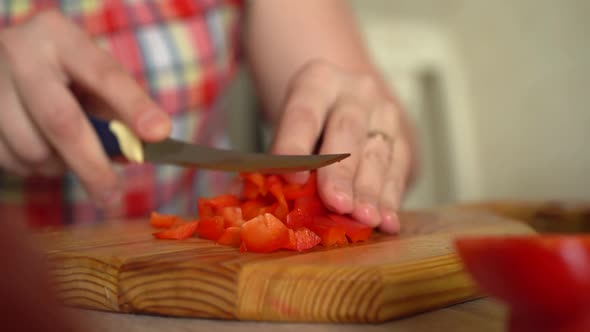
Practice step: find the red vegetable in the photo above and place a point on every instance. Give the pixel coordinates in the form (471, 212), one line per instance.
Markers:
(310, 205)
(162, 220)
(211, 227)
(232, 216)
(179, 232)
(254, 185)
(264, 233)
(331, 234)
(292, 243)
(209, 207)
(231, 236)
(354, 230)
(280, 216)
(297, 218)
(294, 191)
(545, 280)
(306, 239)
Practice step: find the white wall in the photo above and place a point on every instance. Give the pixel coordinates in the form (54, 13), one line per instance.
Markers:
(515, 84)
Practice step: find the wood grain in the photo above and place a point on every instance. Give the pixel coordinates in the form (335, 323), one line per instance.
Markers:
(120, 267)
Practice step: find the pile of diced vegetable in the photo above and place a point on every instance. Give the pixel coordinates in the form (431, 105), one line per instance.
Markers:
(270, 215)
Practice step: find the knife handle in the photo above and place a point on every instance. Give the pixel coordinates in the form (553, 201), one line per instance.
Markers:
(117, 140)
(108, 139)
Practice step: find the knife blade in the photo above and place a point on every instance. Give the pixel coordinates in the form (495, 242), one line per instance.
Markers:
(118, 141)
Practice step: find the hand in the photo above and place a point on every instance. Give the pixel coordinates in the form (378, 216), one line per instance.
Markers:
(42, 125)
(349, 114)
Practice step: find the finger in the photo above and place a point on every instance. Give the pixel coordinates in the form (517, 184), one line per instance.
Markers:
(311, 96)
(52, 167)
(374, 162)
(20, 134)
(394, 187)
(63, 123)
(98, 72)
(9, 163)
(345, 133)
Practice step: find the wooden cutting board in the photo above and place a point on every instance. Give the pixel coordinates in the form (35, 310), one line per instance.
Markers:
(119, 267)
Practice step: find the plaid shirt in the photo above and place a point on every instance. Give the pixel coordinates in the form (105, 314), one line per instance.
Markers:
(183, 53)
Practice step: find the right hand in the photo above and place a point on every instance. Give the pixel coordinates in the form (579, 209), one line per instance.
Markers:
(43, 128)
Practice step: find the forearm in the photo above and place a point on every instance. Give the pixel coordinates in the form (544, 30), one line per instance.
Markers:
(282, 36)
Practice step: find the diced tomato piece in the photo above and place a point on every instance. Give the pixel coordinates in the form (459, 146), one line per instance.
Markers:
(310, 205)
(231, 237)
(251, 209)
(331, 234)
(211, 228)
(294, 191)
(297, 218)
(232, 216)
(179, 232)
(354, 230)
(292, 243)
(264, 233)
(158, 220)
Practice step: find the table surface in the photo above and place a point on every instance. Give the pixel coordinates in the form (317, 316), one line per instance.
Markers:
(482, 315)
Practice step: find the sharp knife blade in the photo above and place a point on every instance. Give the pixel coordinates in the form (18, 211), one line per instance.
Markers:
(118, 140)
(176, 152)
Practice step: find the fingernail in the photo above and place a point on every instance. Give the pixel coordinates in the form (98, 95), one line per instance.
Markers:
(154, 123)
(390, 222)
(367, 214)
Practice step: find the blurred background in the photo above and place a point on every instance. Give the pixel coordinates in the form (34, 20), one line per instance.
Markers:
(499, 90)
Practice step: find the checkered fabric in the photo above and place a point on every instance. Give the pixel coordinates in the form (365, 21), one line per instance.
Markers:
(183, 53)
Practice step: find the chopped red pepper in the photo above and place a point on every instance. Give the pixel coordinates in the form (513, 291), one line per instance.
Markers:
(292, 243)
(162, 220)
(294, 191)
(209, 207)
(231, 236)
(297, 218)
(310, 205)
(354, 230)
(254, 185)
(264, 233)
(306, 239)
(179, 232)
(211, 228)
(251, 209)
(331, 234)
(232, 216)
(279, 216)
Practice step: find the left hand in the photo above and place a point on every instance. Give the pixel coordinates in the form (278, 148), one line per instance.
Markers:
(350, 114)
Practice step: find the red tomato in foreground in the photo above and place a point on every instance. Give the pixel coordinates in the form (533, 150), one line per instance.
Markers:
(545, 280)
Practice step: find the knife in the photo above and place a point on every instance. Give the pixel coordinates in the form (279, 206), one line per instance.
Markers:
(118, 141)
